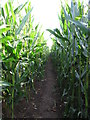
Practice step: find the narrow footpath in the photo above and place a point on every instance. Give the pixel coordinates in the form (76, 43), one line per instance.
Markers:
(45, 102)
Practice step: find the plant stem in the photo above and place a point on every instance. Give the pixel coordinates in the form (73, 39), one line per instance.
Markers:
(13, 82)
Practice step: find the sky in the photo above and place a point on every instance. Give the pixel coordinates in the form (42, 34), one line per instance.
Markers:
(46, 11)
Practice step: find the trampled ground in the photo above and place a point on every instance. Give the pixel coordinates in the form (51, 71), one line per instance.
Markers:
(45, 102)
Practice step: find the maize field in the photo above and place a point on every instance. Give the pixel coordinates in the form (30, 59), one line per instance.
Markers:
(24, 54)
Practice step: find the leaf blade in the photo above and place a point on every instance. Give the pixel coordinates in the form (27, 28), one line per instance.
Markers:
(23, 22)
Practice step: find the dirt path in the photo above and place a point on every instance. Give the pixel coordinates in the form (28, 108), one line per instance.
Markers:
(48, 104)
(45, 103)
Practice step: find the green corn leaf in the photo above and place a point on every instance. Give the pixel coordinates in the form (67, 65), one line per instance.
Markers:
(36, 27)
(77, 23)
(19, 8)
(69, 10)
(81, 26)
(57, 31)
(59, 42)
(13, 15)
(64, 93)
(6, 9)
(9, 59)
(78, 77)
(5, 39)
(19, 46)
(80, 7)
(17, 73)
(2, 30)
(52, 32)
(2, 11)
(78, 17)
(84, 52)
(84, 73)
(33, 43)
(9, 48)
(23, 23)
(3, 83)
(4, 67)
(57, 35)
(22, 79)
(7, 14)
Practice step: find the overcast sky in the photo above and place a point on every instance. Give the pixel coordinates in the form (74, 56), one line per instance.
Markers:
(46, 11)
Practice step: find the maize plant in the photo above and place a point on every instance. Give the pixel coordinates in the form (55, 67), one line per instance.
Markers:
(23, 53)
(70, 54)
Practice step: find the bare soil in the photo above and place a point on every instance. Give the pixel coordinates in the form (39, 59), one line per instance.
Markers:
(45, 101)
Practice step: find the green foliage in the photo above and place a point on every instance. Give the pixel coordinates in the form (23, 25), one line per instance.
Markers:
(23, 23)
(70, 54)
(23, 52)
